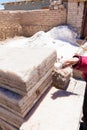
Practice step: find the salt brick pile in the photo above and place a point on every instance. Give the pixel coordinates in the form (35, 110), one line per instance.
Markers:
(25, 74)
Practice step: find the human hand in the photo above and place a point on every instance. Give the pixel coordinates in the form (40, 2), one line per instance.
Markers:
(70, 62)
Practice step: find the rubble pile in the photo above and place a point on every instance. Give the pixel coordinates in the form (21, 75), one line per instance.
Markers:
(56, 4)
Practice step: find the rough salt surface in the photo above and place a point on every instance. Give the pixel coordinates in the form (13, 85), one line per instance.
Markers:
(61, 38)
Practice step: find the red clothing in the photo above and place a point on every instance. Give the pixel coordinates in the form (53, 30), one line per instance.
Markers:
(82, 65)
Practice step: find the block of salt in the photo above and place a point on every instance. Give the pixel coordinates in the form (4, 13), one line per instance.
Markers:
(22, 68)
(61, 77)
(21, 105)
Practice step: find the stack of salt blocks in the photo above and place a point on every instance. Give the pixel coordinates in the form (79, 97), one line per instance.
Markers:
(25, 74)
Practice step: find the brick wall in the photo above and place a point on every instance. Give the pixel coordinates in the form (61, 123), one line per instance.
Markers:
(26, 23)
(9, 24)
(75, 14)
(41, 20)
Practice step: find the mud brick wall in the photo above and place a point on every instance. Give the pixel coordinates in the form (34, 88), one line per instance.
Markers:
(41, 20)
(9, 24)
(75, 14)
(27, 23)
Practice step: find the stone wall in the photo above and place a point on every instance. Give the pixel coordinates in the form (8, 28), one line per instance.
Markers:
(26, 23)
(75, 14)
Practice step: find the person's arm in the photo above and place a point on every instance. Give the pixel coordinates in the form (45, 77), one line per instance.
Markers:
(71, 62)
(77, 62)
(81, 64)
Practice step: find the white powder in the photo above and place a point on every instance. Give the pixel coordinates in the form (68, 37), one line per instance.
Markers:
(60, 38)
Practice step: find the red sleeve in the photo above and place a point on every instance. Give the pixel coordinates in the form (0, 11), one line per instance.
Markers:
(82, 64)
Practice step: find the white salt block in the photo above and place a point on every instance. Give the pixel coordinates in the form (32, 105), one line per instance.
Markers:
(58, 65)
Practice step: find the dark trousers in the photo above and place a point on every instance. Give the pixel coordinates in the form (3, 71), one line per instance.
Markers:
(85, 106)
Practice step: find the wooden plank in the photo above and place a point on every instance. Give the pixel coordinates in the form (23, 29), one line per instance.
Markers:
(84, 22)
(19, 72)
